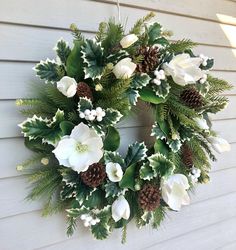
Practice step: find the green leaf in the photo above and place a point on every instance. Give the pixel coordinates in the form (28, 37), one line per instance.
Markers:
(158, 132)
(62, 50)
(112, 139)
(69, 176)
(128, 180)
(93, 58)
(154, 32)
(133, 96)
(45, 129)
(76, 212)
(38, 146)
(174, 145)
(136, 152)
(148, 95)
(162, 90)
(203, 88)
(49, 70)
(161, 165)
(158, 216)
(95, 200)
(66, 127)
(84, 103)
(113, 157)
(74, 63)
(111, 118)
(161, 147)
(146, 172)
(140, 81)
(162, 41)
(210, 64)
(112, 189)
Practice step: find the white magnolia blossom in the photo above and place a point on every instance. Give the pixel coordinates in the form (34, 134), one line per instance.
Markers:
(114, 171)
(128, 40)
(120, 209)
(201, 122)
(67, 86)
(79, 150)
(184, 69)
(174, 191)
(124, 68)
(220, 145)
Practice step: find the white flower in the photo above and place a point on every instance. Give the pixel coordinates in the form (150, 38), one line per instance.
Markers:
(124, 68)
(114, 171)
(128, 40)
(202, 123)
(79, 150)
(120, 209)
(67, 86)
(184, 69)
(220, 145)
(174, 191)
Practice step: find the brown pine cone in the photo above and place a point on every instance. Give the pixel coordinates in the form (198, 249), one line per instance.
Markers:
(94, 176)
(149, 197)
(192, 98)
(187, 155)
(83, 90)
(150, 59)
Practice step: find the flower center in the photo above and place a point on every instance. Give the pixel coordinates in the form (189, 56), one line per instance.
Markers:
(81, 148)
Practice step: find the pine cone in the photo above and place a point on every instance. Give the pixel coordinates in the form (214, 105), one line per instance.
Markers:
(149, 197)
(187, 155)
(192, 98)
(94, 176)
(150, 59)
(83, 90)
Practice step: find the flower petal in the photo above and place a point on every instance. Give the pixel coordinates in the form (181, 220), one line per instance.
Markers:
(80, 132)
(79, 161)
(64, 148)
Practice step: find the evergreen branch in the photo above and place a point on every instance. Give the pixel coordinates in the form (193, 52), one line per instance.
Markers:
(71, 225)
(181, 46)
(217, 86)
(75, 32)
(138, 26)
(35, 159)
(101, 34)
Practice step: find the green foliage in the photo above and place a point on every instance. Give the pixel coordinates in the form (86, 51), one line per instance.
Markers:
(49, 71)
(162, 90)
(62, 50)
(76, 33)
(74, 63)
(84, 103)
(114, 157)
(181, 46)
(133, 96)
(128, 180)
(139, 25)
(147, 95)
(136, 153)
(217, 86)
(101, 34)
(112, 139)
(158, 216)
(140, 81)
(93, 58)
(215, 104)
(112, 189)
(154, 32)
(111, 118)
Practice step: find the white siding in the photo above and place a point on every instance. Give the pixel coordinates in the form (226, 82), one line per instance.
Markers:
(28, 31)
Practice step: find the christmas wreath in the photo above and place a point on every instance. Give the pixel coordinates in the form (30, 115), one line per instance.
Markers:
(71, 126)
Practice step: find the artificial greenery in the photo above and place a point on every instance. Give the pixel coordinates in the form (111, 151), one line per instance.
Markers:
(103, 100)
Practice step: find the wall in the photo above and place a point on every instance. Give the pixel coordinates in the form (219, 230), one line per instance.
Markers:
(28, 31)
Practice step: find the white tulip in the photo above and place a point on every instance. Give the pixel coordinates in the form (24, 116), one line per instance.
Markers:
(220, 145)
(67, 86)
(128, 40)
(79, 150)
(184, 69)
(120, 209)
(114, 171)
(174, 191)
(202, 123)
(124, 68)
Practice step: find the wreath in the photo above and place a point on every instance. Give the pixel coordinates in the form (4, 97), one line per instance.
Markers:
(90, 88)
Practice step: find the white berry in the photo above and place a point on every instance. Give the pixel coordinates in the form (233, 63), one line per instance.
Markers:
(93, 112)
(86, 224)
(157, 81)
(93, 222)
(91, 118)
(98, 110)
(83, 216)
(89, 218)
(82, 115)
(103, 113)
(87, 112)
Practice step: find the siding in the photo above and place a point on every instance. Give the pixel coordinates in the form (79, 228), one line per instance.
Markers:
(28, 31)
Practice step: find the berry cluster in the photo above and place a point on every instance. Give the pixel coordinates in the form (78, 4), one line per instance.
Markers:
(91, 115)
(160, 75)
(89, 220)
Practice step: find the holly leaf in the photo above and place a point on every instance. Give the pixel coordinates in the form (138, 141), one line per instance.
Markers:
(69, 176)
(133, 96)
(74, 62)
(112, 139)
(210, 63)
(161, 147)
(162, 90)
(66, 127)
(203, 88)
(76, 212)
(45, 129)
(84, 103)
(113, 157)
(128, 179)
(154, 32)
(148, 95)
(63, 50)
(161, 165)
(112, 189)
(111, 118)
(49, 71)
(140, 81)
(93, 58)
(175, 145)
(158, 132)
(146, 172)
(136, 152)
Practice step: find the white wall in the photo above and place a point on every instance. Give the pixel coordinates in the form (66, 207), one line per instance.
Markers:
(28, 31)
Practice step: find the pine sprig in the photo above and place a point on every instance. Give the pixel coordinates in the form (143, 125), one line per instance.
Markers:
(181, 46)
(217, 86)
